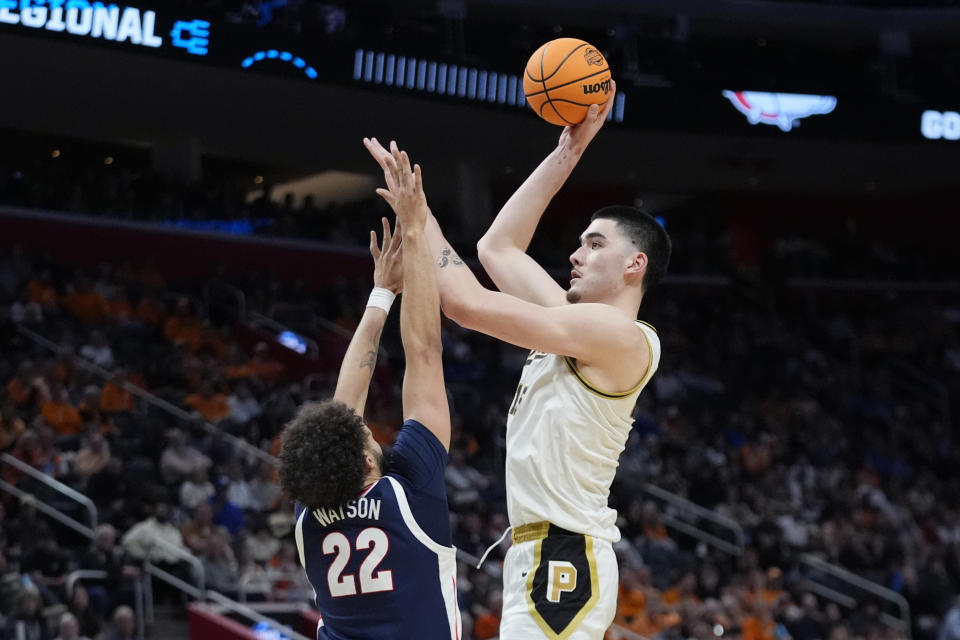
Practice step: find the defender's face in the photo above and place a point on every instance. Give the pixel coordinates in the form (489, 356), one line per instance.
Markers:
(599, 262)
(373, 448)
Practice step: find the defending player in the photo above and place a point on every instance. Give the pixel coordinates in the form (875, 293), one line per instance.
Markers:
(571, 414)
(375, 542)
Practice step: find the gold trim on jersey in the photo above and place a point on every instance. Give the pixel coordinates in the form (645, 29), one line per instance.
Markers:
(587, 606)
(528, 532)
(649, 325)
(572, 366)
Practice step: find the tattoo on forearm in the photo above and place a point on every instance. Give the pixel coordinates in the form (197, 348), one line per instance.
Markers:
(369, 360)
(447, 256)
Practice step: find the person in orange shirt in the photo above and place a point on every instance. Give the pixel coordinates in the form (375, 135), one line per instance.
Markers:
(115, 398)
(150, 312)
(119, 310)
(62, 416)
(85, 303)
(683, 592)
(65, 370)
(487, 623)
(263, 366)
(758, 624)
(183, 327)
(653, 529)
(22, 390)
(635, 591)
(41, 291)
(212, 406)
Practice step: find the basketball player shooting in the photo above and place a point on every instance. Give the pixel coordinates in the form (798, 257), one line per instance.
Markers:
(572, 412)
(375, 543)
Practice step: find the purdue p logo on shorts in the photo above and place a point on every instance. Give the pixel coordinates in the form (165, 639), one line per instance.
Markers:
(562, 587)
(561, 578)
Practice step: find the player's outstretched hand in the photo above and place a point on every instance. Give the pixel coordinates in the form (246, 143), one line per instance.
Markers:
(388, 259)
(577, 137)
(404, 192)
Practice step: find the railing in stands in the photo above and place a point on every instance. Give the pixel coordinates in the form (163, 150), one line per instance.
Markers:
(57, 486)
(817, 567)
(684, 516)
(151, 399)
(216, 291)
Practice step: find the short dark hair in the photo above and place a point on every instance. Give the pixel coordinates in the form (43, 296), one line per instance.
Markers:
(647, 234)
(321, 456)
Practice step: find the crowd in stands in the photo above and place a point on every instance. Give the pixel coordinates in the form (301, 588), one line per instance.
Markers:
(813, 419)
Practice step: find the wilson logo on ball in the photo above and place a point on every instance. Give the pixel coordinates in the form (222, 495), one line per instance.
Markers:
(596, 87)
(592, 56)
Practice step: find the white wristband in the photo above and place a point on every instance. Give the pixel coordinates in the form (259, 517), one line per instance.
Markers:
(381, 298)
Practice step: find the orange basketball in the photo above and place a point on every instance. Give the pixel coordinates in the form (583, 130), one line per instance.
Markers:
(563, 78)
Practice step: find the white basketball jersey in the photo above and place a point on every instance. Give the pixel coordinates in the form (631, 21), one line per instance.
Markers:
(564, 440)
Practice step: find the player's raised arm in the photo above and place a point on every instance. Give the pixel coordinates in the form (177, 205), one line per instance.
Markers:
(502, 250)
(356, 370)
(591, 333)
(424, 392)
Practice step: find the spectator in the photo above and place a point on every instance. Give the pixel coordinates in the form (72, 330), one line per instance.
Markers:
(115, 398)
(196, 489)
(199, 532)
(70, 629)
(84, 303)
(92, 457)
(950, 628)
(26, 622)
(46, 564)
(26, 311)
(105, 555)
(260, 546)
(212, 406)
(267, 369)
(220, 566)
(243, 406)
(98, 350)
(124, 625)
(155, 536)
(238, 489)
(264, 489)
(464, 484)
(84, 617)
(180, 459)
(60, 414)
(225, 513)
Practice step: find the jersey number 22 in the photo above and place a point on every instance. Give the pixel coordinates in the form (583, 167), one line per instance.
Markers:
(371, 580)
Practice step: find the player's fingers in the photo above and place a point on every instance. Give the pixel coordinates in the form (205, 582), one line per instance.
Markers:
(609, 103)
(418, 178)
(386, 195)
(391, 173)
(404, 165)
(374, 249)
(386, 232)
(593, 111)
(376, 150)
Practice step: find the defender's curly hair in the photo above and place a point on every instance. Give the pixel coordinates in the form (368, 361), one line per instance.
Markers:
(321, 458)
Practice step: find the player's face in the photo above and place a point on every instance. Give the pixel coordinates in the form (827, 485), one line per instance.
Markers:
(599, 262)
(374, 448)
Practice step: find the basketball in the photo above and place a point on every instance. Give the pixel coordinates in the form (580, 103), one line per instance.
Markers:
(563, 78)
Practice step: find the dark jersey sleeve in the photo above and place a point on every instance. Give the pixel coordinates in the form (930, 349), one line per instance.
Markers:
(420, 459)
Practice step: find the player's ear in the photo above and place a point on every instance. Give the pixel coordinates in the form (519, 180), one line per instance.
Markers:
(636, 268)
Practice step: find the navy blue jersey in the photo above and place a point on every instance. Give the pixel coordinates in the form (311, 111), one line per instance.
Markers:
(382, 565)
